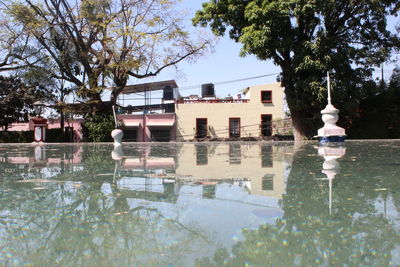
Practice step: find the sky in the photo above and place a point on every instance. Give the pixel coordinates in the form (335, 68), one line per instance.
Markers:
(225, 64)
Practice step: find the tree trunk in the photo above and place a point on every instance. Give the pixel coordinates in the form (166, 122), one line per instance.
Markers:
(62, 123)
(299, 126)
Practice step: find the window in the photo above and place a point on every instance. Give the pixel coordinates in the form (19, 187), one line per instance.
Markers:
(266, 96)
(201, 154)
(235, 154)
(268, 182)
(160, 135)
(201, 128)
(209, 191)
(130, 134)
(234, 127)
(266, 156)
(266, 125)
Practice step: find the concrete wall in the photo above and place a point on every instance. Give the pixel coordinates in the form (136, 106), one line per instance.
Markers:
(218, 114)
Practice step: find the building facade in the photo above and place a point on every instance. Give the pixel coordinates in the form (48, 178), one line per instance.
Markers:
(248, 116)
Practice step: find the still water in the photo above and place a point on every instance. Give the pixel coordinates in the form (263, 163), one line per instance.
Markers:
(232, 204)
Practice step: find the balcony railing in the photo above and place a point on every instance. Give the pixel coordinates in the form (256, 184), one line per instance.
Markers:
(199, 101)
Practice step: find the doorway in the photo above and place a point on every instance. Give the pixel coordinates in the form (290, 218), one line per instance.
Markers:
(266, 125)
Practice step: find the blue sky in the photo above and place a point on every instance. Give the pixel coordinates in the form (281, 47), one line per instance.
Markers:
(225, 64)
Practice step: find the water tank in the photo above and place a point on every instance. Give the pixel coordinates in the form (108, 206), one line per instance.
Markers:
(168, 93)
(207, 90)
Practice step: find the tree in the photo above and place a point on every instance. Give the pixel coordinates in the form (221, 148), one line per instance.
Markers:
(99, 43)
(15, 101)
(369, 122)
(306, 39)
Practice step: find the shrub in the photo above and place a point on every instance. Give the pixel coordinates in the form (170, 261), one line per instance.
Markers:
(55, 136)
(16, 137)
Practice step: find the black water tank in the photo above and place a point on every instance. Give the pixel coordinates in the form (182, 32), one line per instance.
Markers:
(207, 90)
(168, 93)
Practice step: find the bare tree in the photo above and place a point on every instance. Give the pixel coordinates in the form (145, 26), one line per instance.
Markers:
(97, 43)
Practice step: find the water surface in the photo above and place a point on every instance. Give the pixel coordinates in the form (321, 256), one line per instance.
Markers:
(233, 204)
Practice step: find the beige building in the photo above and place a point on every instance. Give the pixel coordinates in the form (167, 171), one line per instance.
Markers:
(250, 115)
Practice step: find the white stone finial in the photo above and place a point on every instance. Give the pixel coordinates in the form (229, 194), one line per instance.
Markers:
(117, 135)
(330, 132)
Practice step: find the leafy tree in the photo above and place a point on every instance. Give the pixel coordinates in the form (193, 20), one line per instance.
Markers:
(306, 39)
(98, 128)
(15, 101)
(97, 43)
(369, 122)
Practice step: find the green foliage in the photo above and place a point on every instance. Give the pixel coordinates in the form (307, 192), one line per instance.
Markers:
(306, 39)
(98, 128)
(15, 101)
(378, 116)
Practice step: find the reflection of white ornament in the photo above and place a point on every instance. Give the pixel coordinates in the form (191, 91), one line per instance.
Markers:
(330, 166)
(117, 135)
(117, 153)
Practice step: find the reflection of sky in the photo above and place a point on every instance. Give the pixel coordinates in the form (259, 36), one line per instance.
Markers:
(220, 219)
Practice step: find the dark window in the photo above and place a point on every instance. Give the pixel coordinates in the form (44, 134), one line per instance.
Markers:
(266, 156)
(234, 127)
(235, 154)
(266, 125)
(266, 96)
(161, 135)
(201, 128)
(130, 135)
(168, 93)
(268, 182)
(209, 191)
(201, 155)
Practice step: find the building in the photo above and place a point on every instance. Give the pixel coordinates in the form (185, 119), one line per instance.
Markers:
(232, 117)
(73, 128)
(172, 117)
(177, 118)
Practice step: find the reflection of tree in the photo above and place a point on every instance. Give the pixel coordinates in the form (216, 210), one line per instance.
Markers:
(71, 221)
(307, 235)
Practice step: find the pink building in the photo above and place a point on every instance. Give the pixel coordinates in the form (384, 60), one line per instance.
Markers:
(73, 127)
(153, 121)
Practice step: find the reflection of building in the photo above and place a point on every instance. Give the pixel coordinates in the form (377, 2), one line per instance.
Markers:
(39, 156)
(260, 168)
(171, 117)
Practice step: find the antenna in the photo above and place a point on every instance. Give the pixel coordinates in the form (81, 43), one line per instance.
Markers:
(329, 88)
